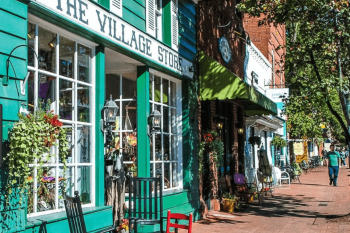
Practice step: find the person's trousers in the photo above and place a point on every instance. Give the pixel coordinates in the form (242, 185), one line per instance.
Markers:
(343, 162)
(333, 173)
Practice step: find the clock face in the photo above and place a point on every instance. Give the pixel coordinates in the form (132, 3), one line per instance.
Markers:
(224, 49)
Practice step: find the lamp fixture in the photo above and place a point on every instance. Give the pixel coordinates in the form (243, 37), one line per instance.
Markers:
(154, 122)
(219, 125)
(240, 130)
(53, 43)
(110, 111)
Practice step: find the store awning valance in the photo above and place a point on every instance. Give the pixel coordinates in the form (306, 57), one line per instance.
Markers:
(217, 82)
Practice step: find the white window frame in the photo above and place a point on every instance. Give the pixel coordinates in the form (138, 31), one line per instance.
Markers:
(178, 83)
(78, 40)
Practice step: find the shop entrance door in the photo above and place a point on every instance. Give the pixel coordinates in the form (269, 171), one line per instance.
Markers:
(225, 169)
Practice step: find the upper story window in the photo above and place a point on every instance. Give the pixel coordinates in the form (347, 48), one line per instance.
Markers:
(116, 7)
(156, 11)
(158, 20)
(63, 78)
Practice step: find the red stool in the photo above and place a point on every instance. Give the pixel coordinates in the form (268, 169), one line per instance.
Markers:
(176, 225)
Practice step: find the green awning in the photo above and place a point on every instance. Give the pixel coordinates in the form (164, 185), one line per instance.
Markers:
(217, 82)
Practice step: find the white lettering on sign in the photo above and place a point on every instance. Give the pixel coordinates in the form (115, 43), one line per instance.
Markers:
(103, 23)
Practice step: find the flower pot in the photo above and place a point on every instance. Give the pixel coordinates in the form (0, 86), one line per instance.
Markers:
(229, 205)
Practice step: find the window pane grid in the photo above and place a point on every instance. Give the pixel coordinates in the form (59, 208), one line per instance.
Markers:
(50, 72)
(167, 161)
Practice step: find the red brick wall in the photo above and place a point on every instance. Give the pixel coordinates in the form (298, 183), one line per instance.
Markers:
(267, 38)
(220, 12)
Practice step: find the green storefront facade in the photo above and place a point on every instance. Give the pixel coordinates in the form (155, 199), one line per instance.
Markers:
(142, 52)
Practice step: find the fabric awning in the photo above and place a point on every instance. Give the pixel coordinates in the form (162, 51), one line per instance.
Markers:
(217, 82)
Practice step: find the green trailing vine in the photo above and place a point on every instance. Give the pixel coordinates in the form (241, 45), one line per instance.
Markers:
(30, 141)
(278, 142)
(211, 143)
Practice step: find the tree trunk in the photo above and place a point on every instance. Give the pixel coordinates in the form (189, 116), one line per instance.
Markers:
(213, 176)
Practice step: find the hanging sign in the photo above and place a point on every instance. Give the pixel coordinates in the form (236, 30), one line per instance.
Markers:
(90, 15)
(224, 49)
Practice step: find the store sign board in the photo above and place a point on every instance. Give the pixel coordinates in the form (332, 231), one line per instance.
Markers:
(300, 150)
(106, 24)
(277, 94)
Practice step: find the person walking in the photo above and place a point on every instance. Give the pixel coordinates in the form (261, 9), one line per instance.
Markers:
(343, 156)
(333, 165)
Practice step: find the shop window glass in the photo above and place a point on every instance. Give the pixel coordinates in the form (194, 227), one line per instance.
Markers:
(84, 57)
(165, 150)
(54, 84)
(46, 51)
(122, 87)
(67, 51)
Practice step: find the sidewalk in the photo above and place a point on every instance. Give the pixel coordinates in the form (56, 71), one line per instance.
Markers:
(313, 206)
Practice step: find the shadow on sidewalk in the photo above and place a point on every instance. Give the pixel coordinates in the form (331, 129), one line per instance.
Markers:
(282, 206)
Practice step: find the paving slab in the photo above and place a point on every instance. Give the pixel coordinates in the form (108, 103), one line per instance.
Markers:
(304, 207)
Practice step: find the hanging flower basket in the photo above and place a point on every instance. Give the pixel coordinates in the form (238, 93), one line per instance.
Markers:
(278, 142)
(32, 139)
(254, 140)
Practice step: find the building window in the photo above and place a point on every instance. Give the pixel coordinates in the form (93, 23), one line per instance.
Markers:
(158, 13)
(165, 146)
(122, 87)
(63, 80)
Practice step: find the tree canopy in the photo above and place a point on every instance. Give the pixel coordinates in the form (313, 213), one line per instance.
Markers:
(317, 61)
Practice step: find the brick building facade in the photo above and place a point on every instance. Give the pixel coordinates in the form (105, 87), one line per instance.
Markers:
(267, 38)
(211, 17)
(216, 19)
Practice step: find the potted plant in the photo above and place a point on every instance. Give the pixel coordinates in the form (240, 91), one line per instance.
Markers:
(278, 142)
(254, 140)
(31, 141)
(229, 202)
(124, 226)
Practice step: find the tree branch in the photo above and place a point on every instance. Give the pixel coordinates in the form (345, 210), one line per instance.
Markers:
(329, 105)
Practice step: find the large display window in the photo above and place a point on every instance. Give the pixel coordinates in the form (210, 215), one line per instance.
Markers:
(166, 145)
(63, 79)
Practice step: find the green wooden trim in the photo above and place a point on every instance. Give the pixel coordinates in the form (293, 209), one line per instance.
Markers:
(185, 136)
(143, 110)
(57, 222)
(136, 8)
(15, 7)
(17, 24)
(104, 3)
(166, 22)
(99, 142)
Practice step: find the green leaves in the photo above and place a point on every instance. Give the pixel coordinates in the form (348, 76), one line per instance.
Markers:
(317, 35)
(31, 138)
